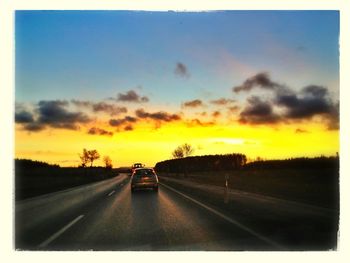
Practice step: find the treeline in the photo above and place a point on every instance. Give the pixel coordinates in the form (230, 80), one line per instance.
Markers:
(202, 163)
(239, 161)
(32, 164)
(296, 163)
(27, 164)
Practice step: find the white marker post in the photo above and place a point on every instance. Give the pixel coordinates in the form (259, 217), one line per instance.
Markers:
(226, 197)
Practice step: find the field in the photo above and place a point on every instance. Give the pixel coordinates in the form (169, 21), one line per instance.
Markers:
(310, 185)
(34, 181)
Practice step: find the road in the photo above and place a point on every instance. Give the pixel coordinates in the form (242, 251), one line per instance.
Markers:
(118, 220)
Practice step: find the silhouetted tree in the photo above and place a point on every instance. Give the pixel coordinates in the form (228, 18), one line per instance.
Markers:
(108, 162)
(187, 149)
(178, 153)
(89, 156)
(183, 150)
(93, 155)
(84, 158)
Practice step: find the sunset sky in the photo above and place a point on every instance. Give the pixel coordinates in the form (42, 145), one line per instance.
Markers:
(135, 85)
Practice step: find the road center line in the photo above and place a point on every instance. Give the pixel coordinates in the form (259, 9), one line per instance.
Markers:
(60, 232)
(230, 220)
(111, 193)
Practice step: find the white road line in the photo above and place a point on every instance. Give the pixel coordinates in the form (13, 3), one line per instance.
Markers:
(232, 221)
(60, 232)
(111, 193)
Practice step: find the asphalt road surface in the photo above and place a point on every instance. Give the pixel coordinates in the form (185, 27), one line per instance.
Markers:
(145, 220)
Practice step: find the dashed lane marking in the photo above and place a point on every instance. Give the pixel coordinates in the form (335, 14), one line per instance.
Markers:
(111, 193)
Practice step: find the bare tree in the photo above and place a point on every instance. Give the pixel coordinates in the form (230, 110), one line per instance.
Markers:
(183, 150)
(108, 162)
(84, 158)
(178, 152)
(187, 149)
(89, 156)
(93, 155)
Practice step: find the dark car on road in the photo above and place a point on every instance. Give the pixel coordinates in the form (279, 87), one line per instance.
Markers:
(135, 166)
(144, 178)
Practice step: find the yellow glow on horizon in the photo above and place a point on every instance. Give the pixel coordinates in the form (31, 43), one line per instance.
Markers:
(149, 145)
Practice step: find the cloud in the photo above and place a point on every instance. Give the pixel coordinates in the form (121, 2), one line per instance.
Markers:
(24, 117)
(310, 101)
(157, 116)
(192, 103)
(51, 114)
(34, 127)
(233, 109)
(258, 112)
(216, 114)
(128, 128)
(202, 114)
(98, 131)
(261, 80)
(111, 109)
(314, 91)
(82, 103)
(181, 70)
(120, 122)
(131, 96)
(141, 114)
(196, 122)
(222, 101)
(301, 131)
(333, 118)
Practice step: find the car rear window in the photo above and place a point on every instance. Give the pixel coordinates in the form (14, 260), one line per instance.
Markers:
(144, 172)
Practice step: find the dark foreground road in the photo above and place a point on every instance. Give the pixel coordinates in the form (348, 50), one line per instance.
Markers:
(119, 220)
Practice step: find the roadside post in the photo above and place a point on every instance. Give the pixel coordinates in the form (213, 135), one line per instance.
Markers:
(226, 196)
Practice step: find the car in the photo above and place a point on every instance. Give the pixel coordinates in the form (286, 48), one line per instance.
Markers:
(135, 166)
(144, 178)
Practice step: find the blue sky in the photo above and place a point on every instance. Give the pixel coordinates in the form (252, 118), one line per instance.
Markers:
(96, 54)
(263, 83)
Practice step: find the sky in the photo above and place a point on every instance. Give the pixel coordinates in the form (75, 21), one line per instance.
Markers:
(135, 85)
